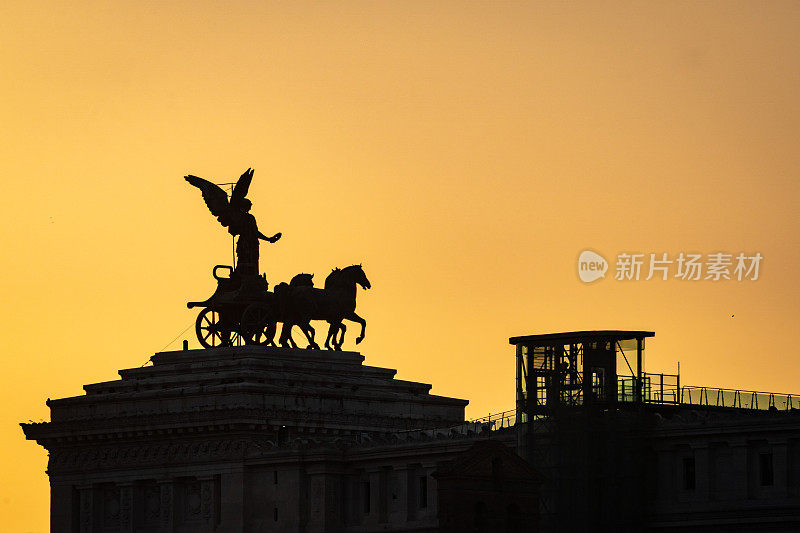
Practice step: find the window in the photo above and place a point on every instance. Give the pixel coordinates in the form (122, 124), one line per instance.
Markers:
(423, 492)
(598, 383)
(541, 390)
(765, 471)
(365, 493)
(688, 473)
(275, 514)
(275, 477)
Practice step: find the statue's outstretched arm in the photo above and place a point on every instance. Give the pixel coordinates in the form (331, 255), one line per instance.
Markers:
(274, 238)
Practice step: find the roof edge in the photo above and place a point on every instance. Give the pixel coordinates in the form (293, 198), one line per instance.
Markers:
(581, 336)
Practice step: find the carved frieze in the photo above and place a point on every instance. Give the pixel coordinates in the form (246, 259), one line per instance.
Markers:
(98, 458)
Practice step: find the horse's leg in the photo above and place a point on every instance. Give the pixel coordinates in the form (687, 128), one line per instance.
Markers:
(269, 334)
(309, 331)
(286, 336)
(342, 328)
(338, 338)
(282, 338)
(331, 330)
(355, 318)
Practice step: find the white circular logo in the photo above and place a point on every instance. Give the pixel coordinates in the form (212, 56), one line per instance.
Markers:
(591, 266)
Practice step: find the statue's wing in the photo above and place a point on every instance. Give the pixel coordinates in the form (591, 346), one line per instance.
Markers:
(242, 186)
(216, 199)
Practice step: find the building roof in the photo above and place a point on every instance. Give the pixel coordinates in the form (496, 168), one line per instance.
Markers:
(582, 336)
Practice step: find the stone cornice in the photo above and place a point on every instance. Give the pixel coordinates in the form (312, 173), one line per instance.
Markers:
(47, 433)
(162, 451)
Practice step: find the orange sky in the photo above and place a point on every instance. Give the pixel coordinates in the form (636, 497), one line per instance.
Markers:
(466, 153)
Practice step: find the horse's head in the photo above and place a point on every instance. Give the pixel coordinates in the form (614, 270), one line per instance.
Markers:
(302, 280)
(358, 276)
(347, 277)
(333, 278)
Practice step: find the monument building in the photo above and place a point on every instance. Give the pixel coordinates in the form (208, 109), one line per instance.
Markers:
(259, 439)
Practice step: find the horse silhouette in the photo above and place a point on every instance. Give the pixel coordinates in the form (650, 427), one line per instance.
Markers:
(288, 297)
(300, 303)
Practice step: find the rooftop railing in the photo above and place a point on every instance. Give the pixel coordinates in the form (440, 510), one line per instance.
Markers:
(656, 388)
(741, 399)
(666, 389)
(496, 421)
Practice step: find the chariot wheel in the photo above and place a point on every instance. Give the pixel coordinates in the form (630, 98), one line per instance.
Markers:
(258, 325)
(211, 332)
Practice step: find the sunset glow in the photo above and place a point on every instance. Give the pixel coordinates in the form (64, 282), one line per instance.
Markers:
(465, 153)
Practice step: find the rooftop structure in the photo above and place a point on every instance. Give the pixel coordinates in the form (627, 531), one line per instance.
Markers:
(626, 450)
(578, 368)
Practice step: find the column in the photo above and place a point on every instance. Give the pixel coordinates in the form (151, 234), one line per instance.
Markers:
(126, 507)
(166, 513)
(232, 501)
(412, 488)
(208, 498)
(741, 469)
(665, 477)
(325, 499)
(429, 511)
(62, 507)
(86, 508)
(398, 489)
(383, 495)
(780, 466)
(373, 476)
(702, 471)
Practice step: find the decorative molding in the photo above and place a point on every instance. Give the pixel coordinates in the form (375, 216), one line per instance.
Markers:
(98, 458)
(50, 434)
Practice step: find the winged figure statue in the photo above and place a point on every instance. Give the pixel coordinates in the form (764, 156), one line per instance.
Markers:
(234, 214)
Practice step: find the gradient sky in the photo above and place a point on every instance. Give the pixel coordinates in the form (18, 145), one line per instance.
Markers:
(465, 152)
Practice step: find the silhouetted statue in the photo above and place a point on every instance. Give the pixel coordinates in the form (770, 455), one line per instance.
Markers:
(243, 310)
(235, 215)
